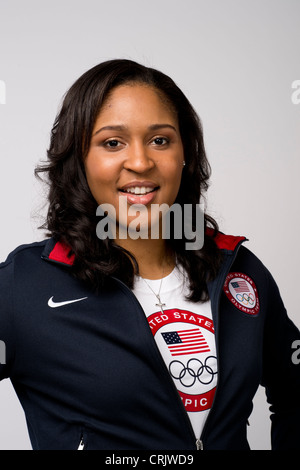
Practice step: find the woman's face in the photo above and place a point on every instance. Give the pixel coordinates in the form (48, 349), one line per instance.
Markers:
(136, 152)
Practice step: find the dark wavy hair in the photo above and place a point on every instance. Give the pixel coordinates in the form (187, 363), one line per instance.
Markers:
(71, 215)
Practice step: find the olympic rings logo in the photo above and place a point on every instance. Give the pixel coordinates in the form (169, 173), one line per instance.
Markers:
(189, 374)
(246, 299)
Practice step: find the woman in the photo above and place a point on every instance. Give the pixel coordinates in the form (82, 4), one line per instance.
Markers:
(134, 341)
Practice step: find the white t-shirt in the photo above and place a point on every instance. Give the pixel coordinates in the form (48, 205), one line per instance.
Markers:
(184, 334)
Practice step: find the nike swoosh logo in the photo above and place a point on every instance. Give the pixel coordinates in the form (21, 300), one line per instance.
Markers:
(53, 304)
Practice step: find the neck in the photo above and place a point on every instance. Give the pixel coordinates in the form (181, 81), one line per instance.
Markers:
(154, 257)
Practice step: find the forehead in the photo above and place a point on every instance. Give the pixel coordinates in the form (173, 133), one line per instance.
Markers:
(137, 98)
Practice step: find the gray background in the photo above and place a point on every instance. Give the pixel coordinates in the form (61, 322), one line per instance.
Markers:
(236, 61)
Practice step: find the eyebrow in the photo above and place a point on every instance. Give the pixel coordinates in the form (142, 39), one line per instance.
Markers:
(153, 127)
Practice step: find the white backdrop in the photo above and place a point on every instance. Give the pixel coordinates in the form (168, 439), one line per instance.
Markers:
(235, 60)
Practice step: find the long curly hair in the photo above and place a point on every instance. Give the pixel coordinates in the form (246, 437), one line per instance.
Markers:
(71, 215)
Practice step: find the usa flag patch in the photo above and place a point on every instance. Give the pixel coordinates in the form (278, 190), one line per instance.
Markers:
(241, 290)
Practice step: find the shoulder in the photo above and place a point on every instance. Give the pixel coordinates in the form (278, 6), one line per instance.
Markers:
(247, 266)
(241, 259)
(235, 245)
(24, 253)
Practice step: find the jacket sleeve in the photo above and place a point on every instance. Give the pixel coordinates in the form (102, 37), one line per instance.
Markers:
(6, 320)
(281, 371)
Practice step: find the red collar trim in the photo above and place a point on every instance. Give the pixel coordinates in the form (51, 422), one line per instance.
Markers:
(61, 254)
(226, 242)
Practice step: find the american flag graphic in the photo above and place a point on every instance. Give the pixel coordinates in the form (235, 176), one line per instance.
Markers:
(185, 342)
(240, 286)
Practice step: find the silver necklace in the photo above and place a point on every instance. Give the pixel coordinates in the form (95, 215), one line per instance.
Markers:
(160, 303)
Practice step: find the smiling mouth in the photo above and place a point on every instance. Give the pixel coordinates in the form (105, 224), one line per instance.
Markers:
(139, 190)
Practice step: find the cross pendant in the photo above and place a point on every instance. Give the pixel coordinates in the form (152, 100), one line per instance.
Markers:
(160, 304)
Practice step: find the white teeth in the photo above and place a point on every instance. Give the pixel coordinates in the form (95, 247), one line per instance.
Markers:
(139, 190)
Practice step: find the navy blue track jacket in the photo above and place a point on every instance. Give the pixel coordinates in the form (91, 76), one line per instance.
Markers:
(86, 367)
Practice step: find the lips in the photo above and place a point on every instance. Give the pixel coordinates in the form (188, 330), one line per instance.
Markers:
(139, 192)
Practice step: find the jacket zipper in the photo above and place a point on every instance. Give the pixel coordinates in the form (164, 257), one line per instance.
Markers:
(199, 442)
(81, 444)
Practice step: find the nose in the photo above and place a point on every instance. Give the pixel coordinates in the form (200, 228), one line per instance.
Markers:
(138, 159)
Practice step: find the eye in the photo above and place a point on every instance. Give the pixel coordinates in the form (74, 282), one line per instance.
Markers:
(112, 145)
(160, 141)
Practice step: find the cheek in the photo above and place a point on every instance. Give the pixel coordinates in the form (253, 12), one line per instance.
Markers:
(97, 172)
(94, 175)
(173, 174)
